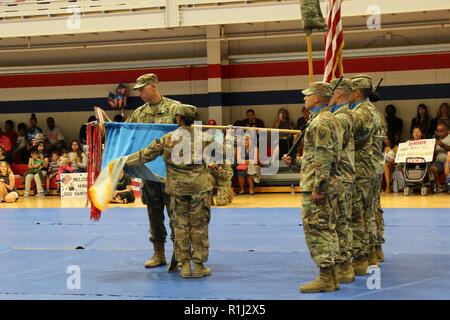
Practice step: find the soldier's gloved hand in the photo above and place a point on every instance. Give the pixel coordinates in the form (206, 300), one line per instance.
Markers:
(134, 159)
(287, 159)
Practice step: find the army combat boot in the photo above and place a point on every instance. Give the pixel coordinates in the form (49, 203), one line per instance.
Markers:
(380, 254)
(323, 283)
(336, 278)
(373, 260)
(345, 271)
(200, 271)
(159, 257)
(360, 266)
(186, 270)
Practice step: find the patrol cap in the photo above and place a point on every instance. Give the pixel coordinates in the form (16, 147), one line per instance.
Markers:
(185, 110)
(319, 88)
(144, 80)
(345, 84)
(362, 82)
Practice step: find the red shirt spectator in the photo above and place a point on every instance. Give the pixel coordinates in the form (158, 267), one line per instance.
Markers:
(5, 142)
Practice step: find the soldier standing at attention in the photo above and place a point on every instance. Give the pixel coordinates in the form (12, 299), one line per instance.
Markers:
(320, 185)
(346, 168)
(363, 219)
(190, 189)
(156, 109)
(380, 131)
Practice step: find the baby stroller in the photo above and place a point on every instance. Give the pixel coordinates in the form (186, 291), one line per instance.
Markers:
(418, 173)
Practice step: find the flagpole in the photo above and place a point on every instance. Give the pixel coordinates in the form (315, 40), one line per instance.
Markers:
(246, 128)
(310, 58)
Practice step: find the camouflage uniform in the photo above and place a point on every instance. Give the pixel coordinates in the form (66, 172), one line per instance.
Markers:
(378, 158)
(363, 219)
(312, 17)
(346, 171)
(190, 189)
(153, 193)
(221, 180)
(319, 173)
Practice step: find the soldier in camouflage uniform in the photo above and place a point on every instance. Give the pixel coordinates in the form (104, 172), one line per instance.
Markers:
(157, 109)
(346, 169)
(363, 219)
(320, 185)
(380, 132)
(190, 189)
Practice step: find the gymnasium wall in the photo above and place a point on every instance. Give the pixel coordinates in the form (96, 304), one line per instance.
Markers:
(264, 86)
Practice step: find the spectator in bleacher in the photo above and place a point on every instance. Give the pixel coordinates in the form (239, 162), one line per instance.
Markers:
(118, 118)
(33, 135)
(390, 150)
(82, 134)
(44, 156)
(395, 125)
(10, 132)
(440, 152)
(34, 172)
(123, 192)
(251, 120)
(78, 159)
(54, 136)
(283, 121)
(52, 171)
(442, 116)
(21, 153)
(5, 142)
(303, 120)
(417, 133)
(8, 190)
(423, 120)
(246, 164)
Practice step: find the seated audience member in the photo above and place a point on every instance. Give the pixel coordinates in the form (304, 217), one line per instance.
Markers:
(8, 190)
(78, 159)
(303, 120)
(118, 118)
(284, 122)
(422, 120)
(417, 133)
(64, 164)
(123, 193)
(54, 136)
(442, 116)
(20, 155)
(251, 120)
(52, 170)
(395, 125)
(390, 150)
(34, 172)
(440, 153)
(82, 134)
(10, 132)
(247, 160)
(5, 143)
(34, 133)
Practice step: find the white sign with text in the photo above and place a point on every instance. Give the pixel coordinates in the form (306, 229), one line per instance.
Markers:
(74, 185)
(419, 148)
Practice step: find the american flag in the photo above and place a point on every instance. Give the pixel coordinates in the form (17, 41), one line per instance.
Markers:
(334, 42)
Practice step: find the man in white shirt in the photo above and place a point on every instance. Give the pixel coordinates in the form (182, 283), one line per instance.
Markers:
(440, 152)
(54, 136)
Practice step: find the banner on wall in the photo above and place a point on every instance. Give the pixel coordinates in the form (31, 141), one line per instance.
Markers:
(74, 186)
(415, 149)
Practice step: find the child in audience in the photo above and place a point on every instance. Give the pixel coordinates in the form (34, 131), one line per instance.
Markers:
(8, 190)
(34, 172)
(52, 172)
(64, 167)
